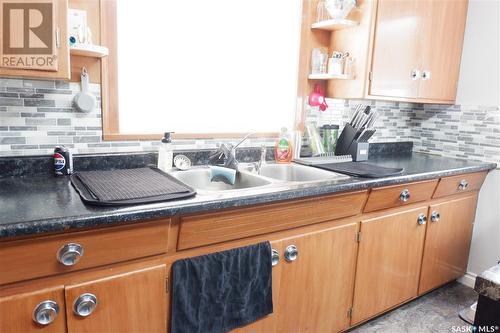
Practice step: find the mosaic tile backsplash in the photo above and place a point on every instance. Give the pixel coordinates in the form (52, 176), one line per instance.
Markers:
(36, 115)
(459, 131)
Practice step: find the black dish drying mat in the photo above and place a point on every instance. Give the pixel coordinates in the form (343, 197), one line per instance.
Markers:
(361, 169)
(129, 186)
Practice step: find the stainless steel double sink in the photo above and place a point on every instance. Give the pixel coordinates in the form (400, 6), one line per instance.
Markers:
(249, 178)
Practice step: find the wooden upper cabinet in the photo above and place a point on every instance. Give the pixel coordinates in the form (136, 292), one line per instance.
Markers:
(444, 27)
(33, 39)
(447, 242)
(389, 259)
(417, 47)
(396, 49)
(130, 302)
(316, 288)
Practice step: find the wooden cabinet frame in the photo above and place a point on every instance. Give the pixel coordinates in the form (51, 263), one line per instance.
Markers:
(360, 42)
(319, 238)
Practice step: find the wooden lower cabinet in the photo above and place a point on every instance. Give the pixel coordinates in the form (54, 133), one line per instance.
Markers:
(447, 242)
(316, 288)
(16, 311)
(388, 266)
(131, 302)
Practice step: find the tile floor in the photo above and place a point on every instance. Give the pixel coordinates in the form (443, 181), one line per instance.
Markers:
(436, 312)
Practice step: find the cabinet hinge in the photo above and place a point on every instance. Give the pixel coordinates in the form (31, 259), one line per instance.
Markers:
(349, 312)
(167, 284)
(358, 236)
(370, 76)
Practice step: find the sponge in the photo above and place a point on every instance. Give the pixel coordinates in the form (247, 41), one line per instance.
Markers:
(221, 174)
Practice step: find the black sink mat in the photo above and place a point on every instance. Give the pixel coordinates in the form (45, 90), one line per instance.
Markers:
(129, 186)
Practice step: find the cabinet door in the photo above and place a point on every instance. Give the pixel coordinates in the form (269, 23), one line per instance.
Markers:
(396, 49)
(316, 287)
(268, 323)
(389, 259)
(447, 242)
(17, 312)
(443, 36)
(34, 39)
(131, 302)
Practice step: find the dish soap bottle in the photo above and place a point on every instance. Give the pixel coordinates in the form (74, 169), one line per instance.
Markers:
(166, 153)
(283, 151)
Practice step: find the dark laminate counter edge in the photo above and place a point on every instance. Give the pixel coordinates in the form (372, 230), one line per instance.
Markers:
(163, 210)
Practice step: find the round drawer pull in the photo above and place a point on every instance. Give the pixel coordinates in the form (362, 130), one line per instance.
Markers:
(275, 257)
(45, 312)
(435, 216)
(85, 305)
(70, 254)
(291, 253)
(463, 184)
(405, 195)
(422, 219)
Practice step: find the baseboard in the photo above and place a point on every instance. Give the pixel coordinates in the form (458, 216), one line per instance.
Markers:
(469, 279)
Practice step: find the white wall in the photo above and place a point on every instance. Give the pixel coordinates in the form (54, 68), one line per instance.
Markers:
(485, 247)
(479, 82)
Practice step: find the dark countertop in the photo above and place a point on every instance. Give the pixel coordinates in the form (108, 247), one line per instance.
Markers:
(488, 283)
(41, 204)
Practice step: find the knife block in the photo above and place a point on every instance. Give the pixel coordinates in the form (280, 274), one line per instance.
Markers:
(348, 145)
(359, 151)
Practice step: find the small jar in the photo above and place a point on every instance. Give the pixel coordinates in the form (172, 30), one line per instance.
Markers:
(335, 66)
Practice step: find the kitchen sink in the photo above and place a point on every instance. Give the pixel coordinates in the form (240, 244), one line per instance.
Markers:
(199, 179)
(297, 173)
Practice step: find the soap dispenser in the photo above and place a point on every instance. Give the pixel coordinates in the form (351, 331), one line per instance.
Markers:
(166, 153)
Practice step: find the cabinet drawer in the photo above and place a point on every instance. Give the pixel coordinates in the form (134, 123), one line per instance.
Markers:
(461, 183)
(32, 258)
(230, 225)
(399, 195)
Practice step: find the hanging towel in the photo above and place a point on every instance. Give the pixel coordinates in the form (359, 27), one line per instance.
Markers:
(219, 292)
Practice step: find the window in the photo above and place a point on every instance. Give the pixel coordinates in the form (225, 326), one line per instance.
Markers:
(203, 67)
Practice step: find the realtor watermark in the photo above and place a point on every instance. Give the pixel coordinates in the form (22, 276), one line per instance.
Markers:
(475, 329)
(27, 31)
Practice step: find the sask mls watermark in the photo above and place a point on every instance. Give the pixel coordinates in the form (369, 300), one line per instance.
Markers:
(28, 35)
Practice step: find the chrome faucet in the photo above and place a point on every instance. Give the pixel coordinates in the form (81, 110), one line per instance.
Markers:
(225, 155)
(262, 161)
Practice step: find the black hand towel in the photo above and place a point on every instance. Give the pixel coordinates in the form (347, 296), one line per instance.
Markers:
(222, 291)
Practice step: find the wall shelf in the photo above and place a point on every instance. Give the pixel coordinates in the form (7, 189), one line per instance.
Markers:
(330, 77)
(334, 24)
(87, 50)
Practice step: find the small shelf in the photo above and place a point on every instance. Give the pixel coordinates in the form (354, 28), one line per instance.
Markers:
(330, 77)
(334, 24)
(88, 50)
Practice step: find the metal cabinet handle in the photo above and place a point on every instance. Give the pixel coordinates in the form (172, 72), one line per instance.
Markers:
(415, 74)
(405, 195)
(426, 75)
(85, 305)
(45, 312)
(70, 254)
(463, 184)
(291, 253)
(422, 219)
(275, 257)
(435, 216)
